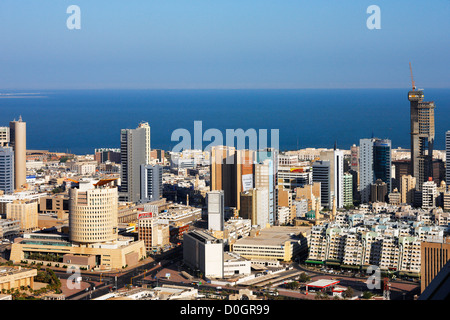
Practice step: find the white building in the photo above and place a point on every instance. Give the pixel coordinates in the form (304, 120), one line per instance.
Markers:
(429, 195)
(204, 252)
(216, 210)
(235, 265)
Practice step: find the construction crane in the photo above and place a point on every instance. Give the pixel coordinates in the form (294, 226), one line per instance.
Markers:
(412, 79)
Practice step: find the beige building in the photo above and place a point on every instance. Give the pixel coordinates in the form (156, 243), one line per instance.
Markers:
(52, 249)
(310, 192)
(55, 204)
(434, 256)
(231, 171)
(18, 141)
(154, 234)
(395, 197)
(446, 200)
(93, 232)
(407, 188)
(93, 212)
(255, 206)
(274, 243)
(26, 212)
(4, 136)
(15, 277)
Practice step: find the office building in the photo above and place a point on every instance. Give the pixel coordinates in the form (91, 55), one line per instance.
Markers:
(378, 191)
(12, 278)
(53, 249)
(266, 175)
(375, 163)
(447, 159)
(216, 210)
(429, 195)
(153, 232)
(422, 136)
(25, 211)
(103, 155)
(9, 229)
(232, 171)
(4, 136)
(264, 179)
(204, 253)
(93, 211)
(321, 174)
(395, 197)
(254, 206)
(18, 141)
(336, 175)
(6, 170)
(135, 151)
(408, 188)
(151, 183)
(348, 189)
(354, 165)
(272, 244)
(434, 256)
(400, 168)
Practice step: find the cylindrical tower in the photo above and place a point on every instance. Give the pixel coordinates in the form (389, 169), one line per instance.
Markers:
(93, 211)
(18, 141)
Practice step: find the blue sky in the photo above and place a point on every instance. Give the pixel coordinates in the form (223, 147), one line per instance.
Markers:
(223, 44)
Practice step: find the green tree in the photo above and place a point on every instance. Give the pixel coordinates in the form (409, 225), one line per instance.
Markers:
(348, 293)
(304, 277)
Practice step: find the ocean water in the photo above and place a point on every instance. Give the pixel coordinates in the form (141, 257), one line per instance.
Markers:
(81, 120)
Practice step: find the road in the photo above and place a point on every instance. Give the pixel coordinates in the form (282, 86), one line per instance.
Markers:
(97, 284)
(153, 272)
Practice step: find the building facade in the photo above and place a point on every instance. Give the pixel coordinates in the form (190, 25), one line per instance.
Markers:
(6, 169)
(134, 152)
(151, 183)
(422, 136)
(93, 213)
(216, 210)
(18, 141)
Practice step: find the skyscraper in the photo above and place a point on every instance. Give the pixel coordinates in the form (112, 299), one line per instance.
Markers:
(348, 189)
(216, 210)
(232, 171)
(336, 175)
(254, 206)
(266, 177)
(6, 169)
(408, 188)
(93, 212)
(447, 159)
(321, 173)
(135, 151)
(18, 141)
(422, 135)
(151, 183)
(375, 163)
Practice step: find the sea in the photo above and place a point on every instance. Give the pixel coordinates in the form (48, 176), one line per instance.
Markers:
(78, 121)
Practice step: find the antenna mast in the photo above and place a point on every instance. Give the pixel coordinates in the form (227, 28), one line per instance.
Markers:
(412, 79)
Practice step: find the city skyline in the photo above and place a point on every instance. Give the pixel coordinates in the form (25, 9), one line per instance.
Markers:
(225, 151)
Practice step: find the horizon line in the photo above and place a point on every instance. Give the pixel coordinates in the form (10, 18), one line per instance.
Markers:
(18, 90)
